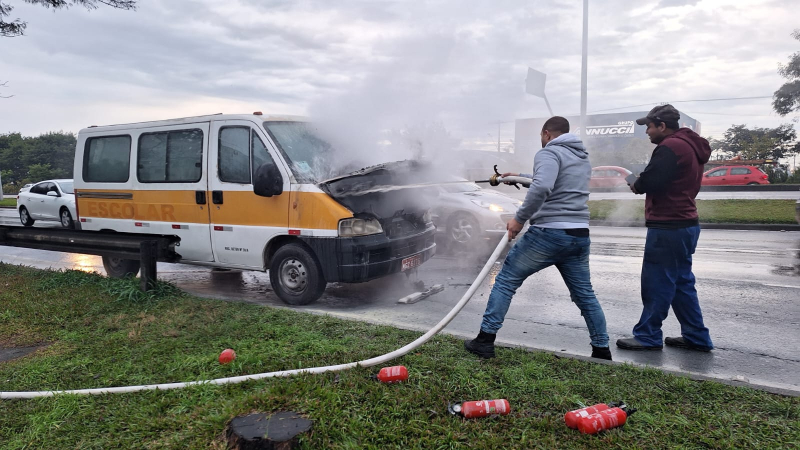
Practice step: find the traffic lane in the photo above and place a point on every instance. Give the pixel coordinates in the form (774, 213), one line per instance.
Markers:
(748, 304)
(10, 217)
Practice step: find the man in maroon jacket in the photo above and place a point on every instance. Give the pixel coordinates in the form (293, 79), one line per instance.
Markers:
(671, 182)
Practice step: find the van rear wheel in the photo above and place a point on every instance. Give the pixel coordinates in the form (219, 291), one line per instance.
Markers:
(121, 268)
(296, 275)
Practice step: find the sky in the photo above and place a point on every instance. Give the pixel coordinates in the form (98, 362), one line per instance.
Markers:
(390, 64)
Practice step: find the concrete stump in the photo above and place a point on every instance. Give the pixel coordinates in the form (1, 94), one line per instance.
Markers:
(260, 431)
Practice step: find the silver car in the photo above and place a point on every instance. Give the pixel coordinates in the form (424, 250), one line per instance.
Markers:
(466, 215)
(48, 200)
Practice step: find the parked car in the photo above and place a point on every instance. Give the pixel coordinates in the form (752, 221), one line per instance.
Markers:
(608, 177)
(466, 215)
(734, 176)
(48, 200)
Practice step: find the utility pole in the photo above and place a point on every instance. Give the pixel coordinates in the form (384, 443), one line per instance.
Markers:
(584, 60)
(498, 137)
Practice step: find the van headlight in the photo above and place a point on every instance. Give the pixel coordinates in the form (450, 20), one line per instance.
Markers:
(359, 227)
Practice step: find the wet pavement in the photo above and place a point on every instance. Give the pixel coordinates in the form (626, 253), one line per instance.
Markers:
(748, 282)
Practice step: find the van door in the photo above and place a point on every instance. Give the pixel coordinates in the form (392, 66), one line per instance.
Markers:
(242, 222)
(169, 195)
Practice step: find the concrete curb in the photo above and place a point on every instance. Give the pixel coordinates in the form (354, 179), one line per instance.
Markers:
(691, 375)
(708, 226)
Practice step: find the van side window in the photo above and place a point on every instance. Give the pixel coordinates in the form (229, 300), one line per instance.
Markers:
(170, 157)
(234, 155)
(107, 159)
(260, 154)
(237, 145)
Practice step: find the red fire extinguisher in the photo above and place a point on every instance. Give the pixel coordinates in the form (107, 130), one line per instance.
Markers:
(604, 420)
(394, 374)
(571, 418)
(481, 408)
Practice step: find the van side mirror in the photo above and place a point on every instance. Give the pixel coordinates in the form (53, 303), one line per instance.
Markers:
(268, 181)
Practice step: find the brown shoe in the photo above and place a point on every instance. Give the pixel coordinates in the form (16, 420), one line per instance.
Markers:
(633, 344)
(680, 342)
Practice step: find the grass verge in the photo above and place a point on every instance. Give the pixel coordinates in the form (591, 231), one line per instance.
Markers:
(99, 334)
(710, 211)
(8, 202)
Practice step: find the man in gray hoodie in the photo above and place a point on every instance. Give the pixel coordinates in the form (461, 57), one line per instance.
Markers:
(558, 236)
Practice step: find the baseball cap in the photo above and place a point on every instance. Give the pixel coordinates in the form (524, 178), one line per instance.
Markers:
(661, 113)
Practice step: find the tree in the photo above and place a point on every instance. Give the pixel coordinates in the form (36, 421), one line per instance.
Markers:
(758, 143)
(17, 26)
(787, 98)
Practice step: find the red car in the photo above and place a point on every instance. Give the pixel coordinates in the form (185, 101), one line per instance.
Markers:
(608, 177)
(734, 176)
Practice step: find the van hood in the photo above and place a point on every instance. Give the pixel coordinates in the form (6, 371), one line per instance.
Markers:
(391, 192)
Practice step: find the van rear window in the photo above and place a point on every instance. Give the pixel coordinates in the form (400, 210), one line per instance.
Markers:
(107, 159)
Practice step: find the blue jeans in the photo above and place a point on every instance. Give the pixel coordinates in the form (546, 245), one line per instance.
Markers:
(540, 248)
(667, 280)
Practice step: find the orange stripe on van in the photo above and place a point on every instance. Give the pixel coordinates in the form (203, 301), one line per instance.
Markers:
(297, 210)
(156, 206)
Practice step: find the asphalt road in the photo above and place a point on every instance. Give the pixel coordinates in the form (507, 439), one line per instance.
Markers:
(748, 282)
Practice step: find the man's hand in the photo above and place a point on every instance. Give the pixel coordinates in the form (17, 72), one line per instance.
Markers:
(513, 228)
(509, 174)
(633, 189)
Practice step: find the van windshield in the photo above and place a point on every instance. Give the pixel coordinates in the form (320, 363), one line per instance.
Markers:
(303, 149)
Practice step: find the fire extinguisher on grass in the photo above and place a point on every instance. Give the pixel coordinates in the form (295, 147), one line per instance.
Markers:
(481, 408)
(571, 418)
(605, 420)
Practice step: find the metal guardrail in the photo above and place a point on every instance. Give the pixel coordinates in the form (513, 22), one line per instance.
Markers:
(146, 248)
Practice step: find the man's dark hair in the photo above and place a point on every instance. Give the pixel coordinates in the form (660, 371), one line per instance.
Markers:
(557, 124)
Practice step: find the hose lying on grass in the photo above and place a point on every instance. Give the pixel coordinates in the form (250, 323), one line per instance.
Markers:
(285, 373)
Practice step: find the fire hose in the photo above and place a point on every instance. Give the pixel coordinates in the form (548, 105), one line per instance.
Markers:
(498, 178)
(285, 373)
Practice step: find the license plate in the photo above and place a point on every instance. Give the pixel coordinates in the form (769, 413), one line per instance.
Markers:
(411, 262)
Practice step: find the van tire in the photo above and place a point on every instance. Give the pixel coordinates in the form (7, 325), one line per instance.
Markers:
(296, 275)
(25, 217)
(121, 268)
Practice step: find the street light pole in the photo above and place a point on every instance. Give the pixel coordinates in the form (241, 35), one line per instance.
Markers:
(584, 59)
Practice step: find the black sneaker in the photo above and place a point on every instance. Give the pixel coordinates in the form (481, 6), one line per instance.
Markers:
(483, 345)
(601, 353)
(680, 342)
(633, 344)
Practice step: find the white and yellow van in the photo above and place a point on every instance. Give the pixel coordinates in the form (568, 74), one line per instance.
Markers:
(240, 192)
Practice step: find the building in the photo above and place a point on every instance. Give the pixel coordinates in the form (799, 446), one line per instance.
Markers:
(612, 139)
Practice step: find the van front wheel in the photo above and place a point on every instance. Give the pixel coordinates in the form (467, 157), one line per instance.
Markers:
(120, 268)
(296, 275)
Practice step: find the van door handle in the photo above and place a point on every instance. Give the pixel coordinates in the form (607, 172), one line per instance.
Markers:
(200, 197)
(216, 197)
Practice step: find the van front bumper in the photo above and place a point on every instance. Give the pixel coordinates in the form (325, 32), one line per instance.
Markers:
(364, 258)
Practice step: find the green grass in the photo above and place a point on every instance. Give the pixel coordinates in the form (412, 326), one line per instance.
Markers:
(709, 211)
(92, 337)
(12, 202)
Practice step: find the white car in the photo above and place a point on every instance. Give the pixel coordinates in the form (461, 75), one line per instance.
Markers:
(48, 200)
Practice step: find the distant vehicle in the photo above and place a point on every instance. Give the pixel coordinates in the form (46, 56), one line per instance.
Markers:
(466, 215)
(608, 177)
(52, 200)
(734, 176)
(26, 188)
